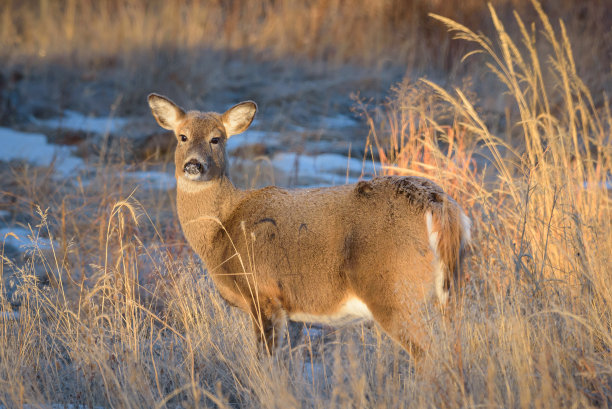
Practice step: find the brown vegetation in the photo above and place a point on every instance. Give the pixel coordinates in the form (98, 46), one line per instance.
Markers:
(129, 320)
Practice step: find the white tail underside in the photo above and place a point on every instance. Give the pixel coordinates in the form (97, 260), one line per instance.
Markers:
(466, 226)
(438, 265)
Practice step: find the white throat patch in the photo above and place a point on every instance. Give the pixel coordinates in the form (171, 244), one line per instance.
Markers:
(190, 186)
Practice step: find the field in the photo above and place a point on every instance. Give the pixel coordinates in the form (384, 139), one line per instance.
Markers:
(506, 106)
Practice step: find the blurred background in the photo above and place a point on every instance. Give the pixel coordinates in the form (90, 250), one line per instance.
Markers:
(79, 71)
(296, 58)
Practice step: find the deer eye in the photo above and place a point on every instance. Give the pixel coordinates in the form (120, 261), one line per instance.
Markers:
(214, 140)
(183, 138)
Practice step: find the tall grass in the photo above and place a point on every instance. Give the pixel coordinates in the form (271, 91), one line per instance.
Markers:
(553, 166)
(539, 196)
(131, 321)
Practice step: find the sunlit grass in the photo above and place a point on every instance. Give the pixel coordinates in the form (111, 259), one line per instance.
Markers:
(130, 320)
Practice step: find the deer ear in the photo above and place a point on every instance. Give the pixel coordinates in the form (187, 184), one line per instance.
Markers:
(166, 112)
(239, 117)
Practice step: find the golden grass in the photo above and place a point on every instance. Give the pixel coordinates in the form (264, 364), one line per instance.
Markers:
(130, 320)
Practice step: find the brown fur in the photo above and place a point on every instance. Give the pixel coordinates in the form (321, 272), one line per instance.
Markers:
(275, 253)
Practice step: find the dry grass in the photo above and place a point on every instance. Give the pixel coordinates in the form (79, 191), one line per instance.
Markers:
(130, 321)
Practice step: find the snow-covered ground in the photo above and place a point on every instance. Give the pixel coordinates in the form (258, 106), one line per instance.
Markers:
(34, 148)
(338, 122)
(21, 238)
(75, 121)
(301, 169)
(324, 169)
(152, 179)
(307, 169)
(251, 137)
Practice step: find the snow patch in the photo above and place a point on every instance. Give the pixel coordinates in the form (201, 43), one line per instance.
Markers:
(33, 148)
(24, 240)
(328, 167)
(152, 179)
(250, 138)
(76, 121)
(338, 122)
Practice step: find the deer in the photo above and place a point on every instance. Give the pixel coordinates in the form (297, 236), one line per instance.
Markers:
(376, 250)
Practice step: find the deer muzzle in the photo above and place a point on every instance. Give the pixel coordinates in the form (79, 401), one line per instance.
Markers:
(195, 168)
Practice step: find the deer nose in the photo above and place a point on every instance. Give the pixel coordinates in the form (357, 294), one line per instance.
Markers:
(195, 167)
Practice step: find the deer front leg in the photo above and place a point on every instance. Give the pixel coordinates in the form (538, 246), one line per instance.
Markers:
(269, 320)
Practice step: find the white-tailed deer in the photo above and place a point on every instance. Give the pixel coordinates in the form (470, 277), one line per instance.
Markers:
(378, 249)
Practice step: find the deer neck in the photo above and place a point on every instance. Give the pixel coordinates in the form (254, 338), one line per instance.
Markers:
(202, 208)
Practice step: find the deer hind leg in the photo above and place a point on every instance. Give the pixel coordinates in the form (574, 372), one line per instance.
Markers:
(401, 312)
(269, 321)
(404, 326)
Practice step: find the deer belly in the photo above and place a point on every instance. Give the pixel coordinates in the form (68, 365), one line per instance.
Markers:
(349, 312)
